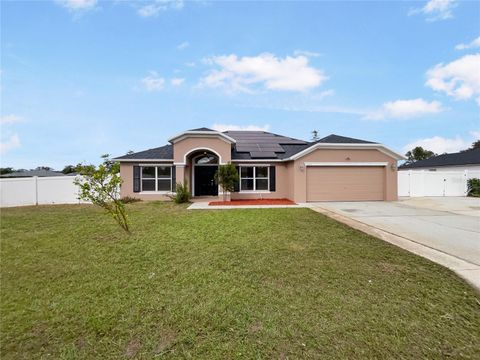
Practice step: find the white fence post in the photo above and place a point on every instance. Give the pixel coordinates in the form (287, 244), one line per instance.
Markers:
(35, 180)
(409, 182)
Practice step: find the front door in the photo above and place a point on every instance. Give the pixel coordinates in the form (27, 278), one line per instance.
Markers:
(204, 180)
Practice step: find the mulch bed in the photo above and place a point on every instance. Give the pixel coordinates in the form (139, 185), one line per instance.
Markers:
(253, 202)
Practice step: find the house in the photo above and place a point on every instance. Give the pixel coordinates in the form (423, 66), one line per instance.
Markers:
(32, 173)
(334, 168)
(460, 161)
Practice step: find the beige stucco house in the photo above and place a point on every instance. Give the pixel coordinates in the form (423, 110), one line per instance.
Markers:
(334, 168)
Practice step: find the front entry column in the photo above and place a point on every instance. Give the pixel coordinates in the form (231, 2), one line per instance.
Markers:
(180, 173)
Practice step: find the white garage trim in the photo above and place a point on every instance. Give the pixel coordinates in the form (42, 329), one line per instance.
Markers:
(345, 163)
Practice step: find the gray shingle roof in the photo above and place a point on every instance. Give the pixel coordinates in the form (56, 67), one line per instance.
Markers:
(469, 157)
(201, 129)
(162, 152)
(31, 173)
(251, 145)
(337, 139)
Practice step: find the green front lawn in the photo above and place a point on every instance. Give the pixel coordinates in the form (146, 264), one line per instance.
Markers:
(256, 283)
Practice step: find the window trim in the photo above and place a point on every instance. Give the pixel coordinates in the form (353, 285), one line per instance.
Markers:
(155, 179)
(254, 178)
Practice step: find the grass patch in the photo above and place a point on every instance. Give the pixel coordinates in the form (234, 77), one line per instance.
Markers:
(255, 283)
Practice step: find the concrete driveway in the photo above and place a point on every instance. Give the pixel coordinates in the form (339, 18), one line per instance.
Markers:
(449, 225)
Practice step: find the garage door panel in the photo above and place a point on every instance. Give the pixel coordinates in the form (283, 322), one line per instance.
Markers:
(339, 183)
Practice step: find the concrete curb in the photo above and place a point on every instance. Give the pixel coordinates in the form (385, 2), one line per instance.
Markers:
(466, 270)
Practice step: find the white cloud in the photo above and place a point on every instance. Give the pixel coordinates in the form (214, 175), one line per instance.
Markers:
(10, 119)
(78, 5)
(306, 53)
(471, 45)
(226, 127)
(405, 109)
(183, 45)
(267, 70)
(177, 81)
(459, 79)
(436, 10)
(440, 145)
(157, 6)
(323, 94)
(152, 82)
(475, 135)
(12, 143)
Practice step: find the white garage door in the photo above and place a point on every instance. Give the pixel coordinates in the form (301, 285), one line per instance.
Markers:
(342, 183)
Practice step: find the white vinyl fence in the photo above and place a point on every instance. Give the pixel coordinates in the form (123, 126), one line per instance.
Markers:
(38, 191)
(417, 183)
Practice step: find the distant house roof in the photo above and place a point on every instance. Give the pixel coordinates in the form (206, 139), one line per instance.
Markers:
(468, 157)
(250, 145)
(30, 173)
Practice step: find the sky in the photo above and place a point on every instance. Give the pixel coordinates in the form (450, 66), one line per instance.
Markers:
(82, 78)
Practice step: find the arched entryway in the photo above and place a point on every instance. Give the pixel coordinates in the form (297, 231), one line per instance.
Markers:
(204, 167)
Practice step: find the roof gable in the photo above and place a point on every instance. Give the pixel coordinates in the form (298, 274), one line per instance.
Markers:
(202, 129)
(201, 132)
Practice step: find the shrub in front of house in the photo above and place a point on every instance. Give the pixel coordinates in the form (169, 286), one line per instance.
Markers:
(129, 199)
(473, 187)
(182, 194)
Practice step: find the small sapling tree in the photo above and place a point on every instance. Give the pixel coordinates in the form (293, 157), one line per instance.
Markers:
(100, 185)
(227, 177)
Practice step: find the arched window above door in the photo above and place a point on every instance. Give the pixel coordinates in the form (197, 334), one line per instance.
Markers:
(206, 160)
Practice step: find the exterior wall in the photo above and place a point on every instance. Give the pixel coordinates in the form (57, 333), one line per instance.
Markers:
(185, 147)
(187, 176)
(291, 177)
(126, 189)
(282, 184)
(290, 167)
(353, 155)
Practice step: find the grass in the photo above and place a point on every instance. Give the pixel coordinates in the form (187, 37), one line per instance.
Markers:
(255, 283)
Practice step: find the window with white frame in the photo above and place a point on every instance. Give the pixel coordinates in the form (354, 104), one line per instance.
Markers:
(254, 178)
(156, 178)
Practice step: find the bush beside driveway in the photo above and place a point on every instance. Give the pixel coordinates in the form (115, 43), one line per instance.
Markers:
(256, 283)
